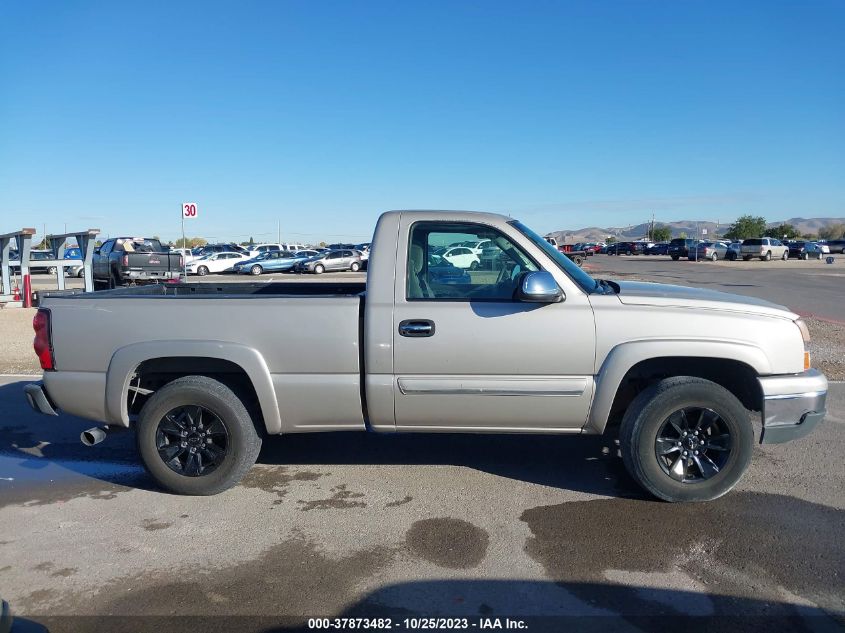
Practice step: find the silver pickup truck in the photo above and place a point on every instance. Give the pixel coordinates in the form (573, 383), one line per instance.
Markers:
(527, 343)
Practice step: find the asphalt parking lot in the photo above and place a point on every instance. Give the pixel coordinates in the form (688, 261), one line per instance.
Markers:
(549, 530)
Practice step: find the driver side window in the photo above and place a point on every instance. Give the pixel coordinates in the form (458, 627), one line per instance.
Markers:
(452, 261)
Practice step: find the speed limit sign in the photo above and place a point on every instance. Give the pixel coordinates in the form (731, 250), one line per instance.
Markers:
(189, 210)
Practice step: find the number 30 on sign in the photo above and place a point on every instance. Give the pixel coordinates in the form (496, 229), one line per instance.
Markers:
(189, 209)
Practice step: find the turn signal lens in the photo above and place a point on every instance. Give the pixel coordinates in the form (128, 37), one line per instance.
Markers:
(806, 361)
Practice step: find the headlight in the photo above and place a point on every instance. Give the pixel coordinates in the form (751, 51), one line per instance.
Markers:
(805, 334)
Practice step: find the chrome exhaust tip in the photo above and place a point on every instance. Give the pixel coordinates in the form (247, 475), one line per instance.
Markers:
(93, 436)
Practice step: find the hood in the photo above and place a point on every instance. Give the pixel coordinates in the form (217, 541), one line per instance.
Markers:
(645, 293)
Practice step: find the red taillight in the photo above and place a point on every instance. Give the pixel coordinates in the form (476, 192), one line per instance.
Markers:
(126, 260)
(41, 344)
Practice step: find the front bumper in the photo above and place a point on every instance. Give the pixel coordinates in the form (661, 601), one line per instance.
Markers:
(792, 405)
(38, 400)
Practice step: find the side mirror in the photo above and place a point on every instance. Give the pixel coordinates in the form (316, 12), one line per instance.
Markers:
(97, 251)
(539, 287)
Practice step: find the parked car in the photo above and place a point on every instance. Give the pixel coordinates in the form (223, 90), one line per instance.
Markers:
(734, 253)
(661, 248)
(442, 272)
(462, 257)
(709, 251)
(836, 246)
(680, 247)
(273, 262)
(765, 248)
(536, 346)
(37, 262)
(214, 263)
(344, 259)
(805, 250)
(74, 252)
(626, 248)
(134, 260)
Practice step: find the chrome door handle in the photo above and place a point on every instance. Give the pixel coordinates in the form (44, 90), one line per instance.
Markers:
(416, 328)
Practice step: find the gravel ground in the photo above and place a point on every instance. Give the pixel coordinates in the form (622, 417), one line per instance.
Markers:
(16, 355)
(827, 348)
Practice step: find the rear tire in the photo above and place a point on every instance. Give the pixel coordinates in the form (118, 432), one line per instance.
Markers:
(675, 258)
(767, 257)
(355, 267)
(785, 255)
(240, 449)
(649, 448)
(51, 270)
(714, 257)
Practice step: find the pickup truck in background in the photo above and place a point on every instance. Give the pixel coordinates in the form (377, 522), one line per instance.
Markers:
(531, 345)
(122, 261)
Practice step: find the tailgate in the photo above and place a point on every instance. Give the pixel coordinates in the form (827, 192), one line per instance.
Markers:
(159, 262)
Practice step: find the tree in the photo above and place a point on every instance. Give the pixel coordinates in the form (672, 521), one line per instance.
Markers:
(683, 235)
(832, 231)
(610, 240)
(782, 230)
(661, 233)
(746, 226)
(190, 242)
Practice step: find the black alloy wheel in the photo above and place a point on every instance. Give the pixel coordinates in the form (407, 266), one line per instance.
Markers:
(693, 444)
(192, 440)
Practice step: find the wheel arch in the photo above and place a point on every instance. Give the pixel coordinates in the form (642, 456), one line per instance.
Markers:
(242, 368)
(631, 367)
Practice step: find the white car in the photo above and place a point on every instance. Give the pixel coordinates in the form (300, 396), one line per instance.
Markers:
(214, 263)
(462, 257)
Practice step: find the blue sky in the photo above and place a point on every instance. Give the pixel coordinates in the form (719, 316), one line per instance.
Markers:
(320, 115)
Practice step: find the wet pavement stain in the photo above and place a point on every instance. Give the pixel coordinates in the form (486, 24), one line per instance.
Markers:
(45, 566)
(151, 525)
(734, 545)
(341, 499)
(448, 542)
(294, 578)
(277, 479)
(6, 568)
(399, 502)
(64, 572)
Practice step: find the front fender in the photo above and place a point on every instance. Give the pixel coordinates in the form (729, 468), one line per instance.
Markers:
(623, 357)
(126, 360)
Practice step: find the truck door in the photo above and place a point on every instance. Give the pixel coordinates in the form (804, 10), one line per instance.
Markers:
(469, 356)
(100, 262)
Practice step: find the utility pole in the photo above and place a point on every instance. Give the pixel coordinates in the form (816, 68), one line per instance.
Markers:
(278, 232)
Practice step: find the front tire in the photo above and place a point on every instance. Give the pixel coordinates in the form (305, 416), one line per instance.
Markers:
(785, 255)
(196, 437)
(256, 270)
(714, 257)
(202, 271)
(686, 439)
(767, 257)
(675, 258)
(319, 269)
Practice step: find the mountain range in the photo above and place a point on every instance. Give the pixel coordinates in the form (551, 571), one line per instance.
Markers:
(691, 227)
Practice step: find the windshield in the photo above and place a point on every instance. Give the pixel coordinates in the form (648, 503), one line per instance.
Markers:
(587, 283)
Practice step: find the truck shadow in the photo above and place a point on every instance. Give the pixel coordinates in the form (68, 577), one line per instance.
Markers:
(580, 463)
(44, 453)
(469, 603)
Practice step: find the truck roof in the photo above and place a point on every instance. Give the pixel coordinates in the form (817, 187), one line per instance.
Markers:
(469, 216)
